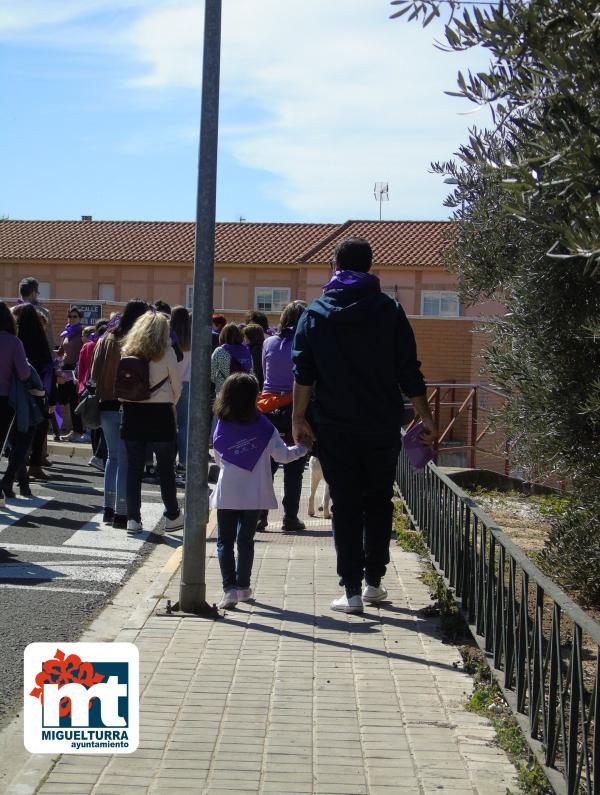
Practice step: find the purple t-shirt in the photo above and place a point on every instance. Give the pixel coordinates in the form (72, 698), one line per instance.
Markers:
(12, 357)
(277, 364)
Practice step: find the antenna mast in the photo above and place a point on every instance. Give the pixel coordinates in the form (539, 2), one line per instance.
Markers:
(381, 194)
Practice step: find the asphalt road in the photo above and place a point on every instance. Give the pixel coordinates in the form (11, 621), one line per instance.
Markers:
(59, 565)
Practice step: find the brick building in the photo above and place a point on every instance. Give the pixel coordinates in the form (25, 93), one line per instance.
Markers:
(257, 265)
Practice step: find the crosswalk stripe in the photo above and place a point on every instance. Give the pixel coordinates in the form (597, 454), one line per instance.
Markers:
(51, 570)
(117, 555)
(107, 537)
(16, 509)
(51, 588)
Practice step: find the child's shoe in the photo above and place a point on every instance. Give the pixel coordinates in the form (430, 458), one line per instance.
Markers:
(244, 594)
(229, 599)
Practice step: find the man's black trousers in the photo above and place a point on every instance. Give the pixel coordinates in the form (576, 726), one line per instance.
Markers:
(361, 477)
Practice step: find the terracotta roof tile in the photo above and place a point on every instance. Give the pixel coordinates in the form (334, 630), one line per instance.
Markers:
(394, 242)
(404, 243)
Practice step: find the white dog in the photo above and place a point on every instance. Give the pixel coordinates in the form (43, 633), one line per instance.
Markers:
(316, 476)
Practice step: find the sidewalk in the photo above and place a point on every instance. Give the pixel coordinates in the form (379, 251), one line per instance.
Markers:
(284, 696)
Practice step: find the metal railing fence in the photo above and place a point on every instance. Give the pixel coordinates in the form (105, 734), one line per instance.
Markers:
(542, 648)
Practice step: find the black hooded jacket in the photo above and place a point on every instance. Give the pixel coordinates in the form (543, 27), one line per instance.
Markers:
(356, 346)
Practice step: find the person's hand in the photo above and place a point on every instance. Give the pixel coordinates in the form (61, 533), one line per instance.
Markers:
(51, 409)
(430, 436)
(302, 432)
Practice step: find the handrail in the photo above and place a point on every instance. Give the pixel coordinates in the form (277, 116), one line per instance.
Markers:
(514, 612)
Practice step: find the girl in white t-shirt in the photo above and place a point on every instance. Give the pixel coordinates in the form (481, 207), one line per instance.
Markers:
(244, 442)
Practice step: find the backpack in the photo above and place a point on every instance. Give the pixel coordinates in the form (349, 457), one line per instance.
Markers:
(133, 379)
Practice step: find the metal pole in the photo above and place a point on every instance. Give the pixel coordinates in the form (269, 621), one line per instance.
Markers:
(192, 594)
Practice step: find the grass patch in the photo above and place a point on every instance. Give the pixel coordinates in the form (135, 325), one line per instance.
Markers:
(487, 700)
(410, 540)
(452, 622)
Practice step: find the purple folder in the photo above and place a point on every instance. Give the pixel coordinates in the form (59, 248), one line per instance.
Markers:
(418, 454)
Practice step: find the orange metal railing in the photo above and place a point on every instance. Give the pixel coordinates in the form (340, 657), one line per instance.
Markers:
(463, 414)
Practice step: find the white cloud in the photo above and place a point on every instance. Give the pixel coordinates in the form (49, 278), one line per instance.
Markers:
(327, 96)
(27, 16)
(345, 97)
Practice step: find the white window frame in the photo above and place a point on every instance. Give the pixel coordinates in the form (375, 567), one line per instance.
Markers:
(440, 296)
(272, 306)
(189, 296)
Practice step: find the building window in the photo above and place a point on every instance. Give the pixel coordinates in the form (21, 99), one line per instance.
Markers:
(439, 303)
(189, 296)
(44, 290)
(271, 299)
(106, 292)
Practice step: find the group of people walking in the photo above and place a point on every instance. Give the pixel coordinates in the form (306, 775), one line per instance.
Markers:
(130, 431)
(330, 378)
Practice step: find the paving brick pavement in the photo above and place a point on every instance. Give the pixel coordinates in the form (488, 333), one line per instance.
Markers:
(284, 696)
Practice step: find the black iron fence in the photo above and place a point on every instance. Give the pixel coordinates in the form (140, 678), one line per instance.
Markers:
(542, 648)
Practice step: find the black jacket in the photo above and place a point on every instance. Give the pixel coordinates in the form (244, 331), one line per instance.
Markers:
(358, 349)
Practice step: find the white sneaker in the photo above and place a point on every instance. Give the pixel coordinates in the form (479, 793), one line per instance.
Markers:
(374, 594)
(171, 525)
(134, 526)
(345, 605)
(229, 599)
(97, 463)
(72, 436)
(244, 594)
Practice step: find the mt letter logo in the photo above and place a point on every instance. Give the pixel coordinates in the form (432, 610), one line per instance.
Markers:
(81, 698)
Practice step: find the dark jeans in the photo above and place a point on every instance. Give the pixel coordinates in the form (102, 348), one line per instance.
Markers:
(17, 460)
(236, 526)
(37, 445)
(6, 415)
(99, 444)
(136, 460)
(292, 487)
(361, 481)
(67, 395)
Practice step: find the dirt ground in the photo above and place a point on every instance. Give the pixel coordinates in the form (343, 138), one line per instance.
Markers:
(519, 515)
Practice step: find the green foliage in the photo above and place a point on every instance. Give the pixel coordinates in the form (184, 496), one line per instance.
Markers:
(487, 700)
(452, 622)
(571, 552)
(410, 540)
(527, 203)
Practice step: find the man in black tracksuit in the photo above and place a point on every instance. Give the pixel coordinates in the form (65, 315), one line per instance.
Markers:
(355, 350)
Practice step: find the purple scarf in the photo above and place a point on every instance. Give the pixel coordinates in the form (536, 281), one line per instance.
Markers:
(241, 354)
(114, 322)
(33, 303)
(71, 329)
(242, 443)
(343, 280)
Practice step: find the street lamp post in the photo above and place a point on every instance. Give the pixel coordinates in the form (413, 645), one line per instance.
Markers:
(192, 593)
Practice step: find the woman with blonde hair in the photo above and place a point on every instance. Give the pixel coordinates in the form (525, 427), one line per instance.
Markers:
(152, 421)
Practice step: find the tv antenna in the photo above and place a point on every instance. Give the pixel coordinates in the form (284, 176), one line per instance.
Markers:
(381, 193)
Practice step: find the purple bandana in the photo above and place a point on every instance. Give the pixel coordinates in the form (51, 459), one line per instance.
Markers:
(34, 303)
(346, 279)
(114, 322)
(71, 329)
(242, 443)
(241, 353)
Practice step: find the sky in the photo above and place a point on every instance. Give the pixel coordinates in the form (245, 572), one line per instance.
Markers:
(319, 100)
